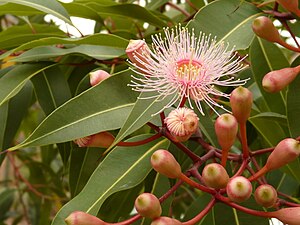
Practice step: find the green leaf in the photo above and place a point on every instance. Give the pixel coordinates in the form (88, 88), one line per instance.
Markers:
(265, 128)
(47, 6)
(7, 198)
(51, 89)
(275, 117)
(266, 57)
(123, 168)
(84, 12)
(119, 202)
(95, 39)
(231, 22)
(142, 113)
(46, 52)
(15, 36)
(128, 10)
(11, 114)
(86, 114)
(83, 162)
(12, 82)
(293, 104)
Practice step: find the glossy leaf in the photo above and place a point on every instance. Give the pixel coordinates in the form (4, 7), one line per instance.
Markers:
(47, 6)
(83, 162)
(12, 82)
(18, 35)
(112, 175)
(46, 52)
(142, 112)
(231, 21)
(266, 57)
(293, 105)
(275, 117)
(96, 39)
(128, 10)
(110, 99)
(51, 89)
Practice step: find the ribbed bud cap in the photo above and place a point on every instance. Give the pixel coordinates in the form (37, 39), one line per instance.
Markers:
(102, 140)
(265, 195)
(239, 189)
(241, 103)
(82, 218)
(264, 28)
(164, 162)
(277, 80)
(148, 205)
(96, 77)
(214, 175)
(182, 123)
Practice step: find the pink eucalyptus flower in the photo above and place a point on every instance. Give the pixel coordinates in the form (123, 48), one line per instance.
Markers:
(188, 66)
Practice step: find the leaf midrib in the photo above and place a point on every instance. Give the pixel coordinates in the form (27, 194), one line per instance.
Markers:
(127, 172)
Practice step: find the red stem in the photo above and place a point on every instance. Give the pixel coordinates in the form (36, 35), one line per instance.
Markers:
(242, 208)
(196, 185)
(141, 142)
(243, 133)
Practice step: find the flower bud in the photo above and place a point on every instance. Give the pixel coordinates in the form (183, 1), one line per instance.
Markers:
(164, 162)
(241, 102)
(285, 152)
(290, 216)
(226, 128)
(148, 205)
(214, 175)
(264, 28)
(182, 123)
(102, 139)
(98, 76)
(82, 218)
(165, 221)
(276, 80)
(239, 189)
(138, 52)
(265, 195)
(290, 5)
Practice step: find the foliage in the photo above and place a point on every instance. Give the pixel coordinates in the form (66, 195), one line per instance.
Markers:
(47, 102)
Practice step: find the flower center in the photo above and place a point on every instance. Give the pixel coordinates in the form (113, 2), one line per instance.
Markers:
(188, 70)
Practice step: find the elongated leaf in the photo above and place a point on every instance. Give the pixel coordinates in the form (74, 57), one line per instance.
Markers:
(122, 169)
(128, 10)
(84, 12)
(264, 126)
(51, 89)
(293, 104)
(46, 52)
(18, 35)
(272, 117)
(96, 39)
(12, 82)
(142, 113)
(47, 6)
(231, 22)
(266, 57)
(86, 114)
(83, 162)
